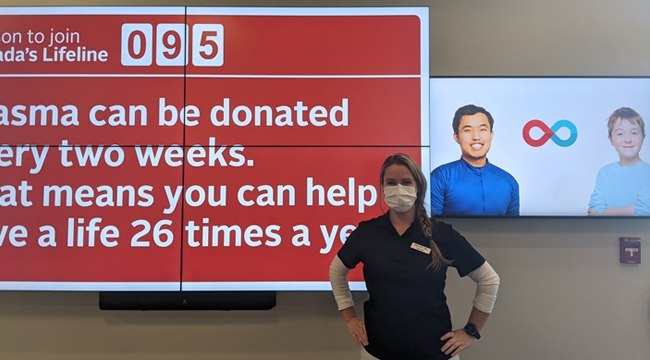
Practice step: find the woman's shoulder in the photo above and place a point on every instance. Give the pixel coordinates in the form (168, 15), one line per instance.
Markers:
(367, 228)
(440, 225)
(370, 225)
(379, 221)
(444, 234)
(455, 246)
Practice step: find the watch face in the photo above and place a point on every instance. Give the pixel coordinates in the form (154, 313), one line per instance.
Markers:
(470, 329)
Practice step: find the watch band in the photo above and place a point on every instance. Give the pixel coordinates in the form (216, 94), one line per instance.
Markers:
(471, 330)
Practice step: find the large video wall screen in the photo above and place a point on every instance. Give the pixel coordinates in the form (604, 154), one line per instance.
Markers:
(199, 148)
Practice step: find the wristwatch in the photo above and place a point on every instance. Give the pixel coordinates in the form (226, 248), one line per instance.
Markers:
(471, 330)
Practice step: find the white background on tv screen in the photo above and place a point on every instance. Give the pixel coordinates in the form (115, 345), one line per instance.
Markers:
(553, 180)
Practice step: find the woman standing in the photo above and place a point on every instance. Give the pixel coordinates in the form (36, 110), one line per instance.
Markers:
(405, 255)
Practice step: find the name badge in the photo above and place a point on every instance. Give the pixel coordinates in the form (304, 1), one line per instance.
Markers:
(420, 248)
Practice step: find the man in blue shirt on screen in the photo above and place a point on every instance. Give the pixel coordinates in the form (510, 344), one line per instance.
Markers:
(472, 186)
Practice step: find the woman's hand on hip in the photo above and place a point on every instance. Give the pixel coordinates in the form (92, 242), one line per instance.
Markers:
(357, 329)
(457, 341)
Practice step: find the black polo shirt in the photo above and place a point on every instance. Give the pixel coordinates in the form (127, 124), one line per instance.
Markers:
(407, 311)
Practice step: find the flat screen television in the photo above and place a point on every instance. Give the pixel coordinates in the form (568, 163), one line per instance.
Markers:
(551, 150)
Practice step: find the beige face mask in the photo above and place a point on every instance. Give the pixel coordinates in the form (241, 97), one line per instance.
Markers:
(400, 198)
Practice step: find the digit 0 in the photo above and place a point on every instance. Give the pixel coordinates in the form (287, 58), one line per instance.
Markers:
(137, 41)
(142, 44)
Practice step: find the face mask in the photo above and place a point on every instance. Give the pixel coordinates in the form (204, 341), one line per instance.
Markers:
(400, 198)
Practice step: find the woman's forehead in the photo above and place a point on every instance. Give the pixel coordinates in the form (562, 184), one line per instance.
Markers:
(397, 171)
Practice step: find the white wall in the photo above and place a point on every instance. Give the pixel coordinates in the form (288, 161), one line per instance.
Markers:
(563, 293)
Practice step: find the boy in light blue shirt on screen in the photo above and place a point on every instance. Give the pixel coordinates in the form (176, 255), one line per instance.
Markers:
(623, 188)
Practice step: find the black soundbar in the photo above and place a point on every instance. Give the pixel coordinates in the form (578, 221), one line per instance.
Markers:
(186, 300)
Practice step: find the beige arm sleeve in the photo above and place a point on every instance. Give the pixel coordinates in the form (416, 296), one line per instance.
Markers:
(340, 286)
(487, 285)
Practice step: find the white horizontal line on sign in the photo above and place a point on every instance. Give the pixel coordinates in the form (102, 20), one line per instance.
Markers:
(91, 75)
(94, 10)
(267, 286)
(212, 76)
(88, 286)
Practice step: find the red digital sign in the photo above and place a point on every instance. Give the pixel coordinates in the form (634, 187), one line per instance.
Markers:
(199, 148)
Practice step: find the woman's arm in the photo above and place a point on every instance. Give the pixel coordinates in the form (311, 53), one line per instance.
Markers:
(343, 296)
(487, 285)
